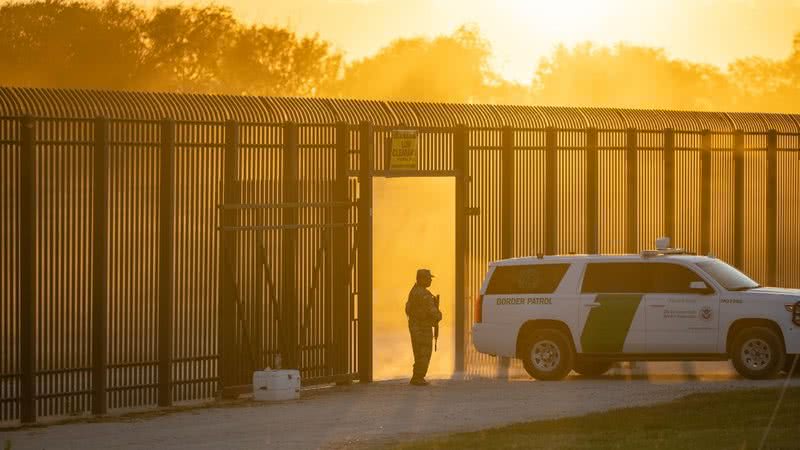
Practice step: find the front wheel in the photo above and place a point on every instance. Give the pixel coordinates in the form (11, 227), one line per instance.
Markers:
(547, 355)
(757, 353)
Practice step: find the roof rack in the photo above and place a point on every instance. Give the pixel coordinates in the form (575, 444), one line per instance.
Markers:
(663, 249)
(665, 252)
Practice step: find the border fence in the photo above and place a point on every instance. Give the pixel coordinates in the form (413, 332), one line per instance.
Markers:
(158, 247)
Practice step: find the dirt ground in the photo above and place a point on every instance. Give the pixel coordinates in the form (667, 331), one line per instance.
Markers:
(359, 415)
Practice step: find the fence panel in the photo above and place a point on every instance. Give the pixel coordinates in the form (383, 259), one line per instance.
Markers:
(530, 187)
(612, 202)
(483, 228)
(572, 192)
(260, 162)
(650, 184)
(199, 149)
(133, 236)
(10, 369)
(788, 250)
(688, 170)
(63, 351)
(317, 165)
(723, 202)
(755, 207)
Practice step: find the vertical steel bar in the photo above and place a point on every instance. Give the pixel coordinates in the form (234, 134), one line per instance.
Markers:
(551, 194)
(365, 327)
(632, 193)
(289, 302)
(669, 183)
(506, 216)
(228, 353)
(592, 193)
(772, 207)
(705, 193)
(165, 261)
(507, 194)
(340, 273)
(738, 199)
(461, 167)
(100, 266)
(27, 268)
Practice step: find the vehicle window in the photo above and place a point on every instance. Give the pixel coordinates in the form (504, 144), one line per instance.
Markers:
(645, 278)
(729, 277)
(670, 279)
(533, 279)
(613, 278)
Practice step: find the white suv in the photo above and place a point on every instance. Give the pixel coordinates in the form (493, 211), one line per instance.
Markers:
(584, 312)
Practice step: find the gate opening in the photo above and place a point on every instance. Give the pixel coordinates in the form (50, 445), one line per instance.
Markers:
(413, 227)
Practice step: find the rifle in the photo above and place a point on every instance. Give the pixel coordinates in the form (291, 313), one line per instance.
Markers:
(436, 327)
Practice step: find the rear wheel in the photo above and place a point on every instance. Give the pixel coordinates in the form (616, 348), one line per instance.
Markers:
(547, 354)
(757, 353)
(591, 368)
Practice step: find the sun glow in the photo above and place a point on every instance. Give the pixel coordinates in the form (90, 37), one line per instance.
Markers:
(565, 15)
(567, 21)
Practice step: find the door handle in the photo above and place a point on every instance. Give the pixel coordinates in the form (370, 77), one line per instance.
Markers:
(592, 305)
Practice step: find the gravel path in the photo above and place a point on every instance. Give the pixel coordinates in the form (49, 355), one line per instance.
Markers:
(354, 415)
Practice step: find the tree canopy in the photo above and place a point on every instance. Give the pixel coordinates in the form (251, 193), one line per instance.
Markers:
(206, 49)
(627, 76)
(76, 44)
(447, 68)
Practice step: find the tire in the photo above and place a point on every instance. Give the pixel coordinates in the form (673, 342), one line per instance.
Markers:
(547, 354)
(591, 368)
(787, 365)
(757, 353)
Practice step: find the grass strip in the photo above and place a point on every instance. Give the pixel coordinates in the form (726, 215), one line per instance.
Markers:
(722, 420)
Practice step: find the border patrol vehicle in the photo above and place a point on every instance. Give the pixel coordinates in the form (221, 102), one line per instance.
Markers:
(584, 312)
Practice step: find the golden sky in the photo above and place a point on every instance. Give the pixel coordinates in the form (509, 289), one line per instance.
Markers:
(523, 31)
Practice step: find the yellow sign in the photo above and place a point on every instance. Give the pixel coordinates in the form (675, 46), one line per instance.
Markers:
(405, 150)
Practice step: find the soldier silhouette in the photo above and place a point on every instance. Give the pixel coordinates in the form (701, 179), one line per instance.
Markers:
(422, 309)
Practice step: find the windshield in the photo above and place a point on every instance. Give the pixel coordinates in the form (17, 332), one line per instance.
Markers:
(729, 277)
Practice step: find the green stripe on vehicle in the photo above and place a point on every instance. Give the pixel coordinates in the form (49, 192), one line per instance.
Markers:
(607, 325)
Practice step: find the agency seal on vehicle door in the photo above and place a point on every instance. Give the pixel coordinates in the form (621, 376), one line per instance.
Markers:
(706, 313)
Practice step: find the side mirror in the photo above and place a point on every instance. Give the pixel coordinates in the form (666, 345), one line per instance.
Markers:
(796, 314)
(700, 287)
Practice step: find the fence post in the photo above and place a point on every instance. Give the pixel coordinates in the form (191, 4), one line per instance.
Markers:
(165, 261)
(632, 193)
(289, 317)
(364, 231)
(228, 354)
(27, 269)
(738, 199)
(506, 216)
(592, 192)
(772, 207)
(100, 266)
(551, 191)
(669, 184)
(340, 249)
(705, 193)
(461, 167)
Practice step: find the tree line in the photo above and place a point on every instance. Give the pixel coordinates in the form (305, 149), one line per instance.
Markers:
(205, 49)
